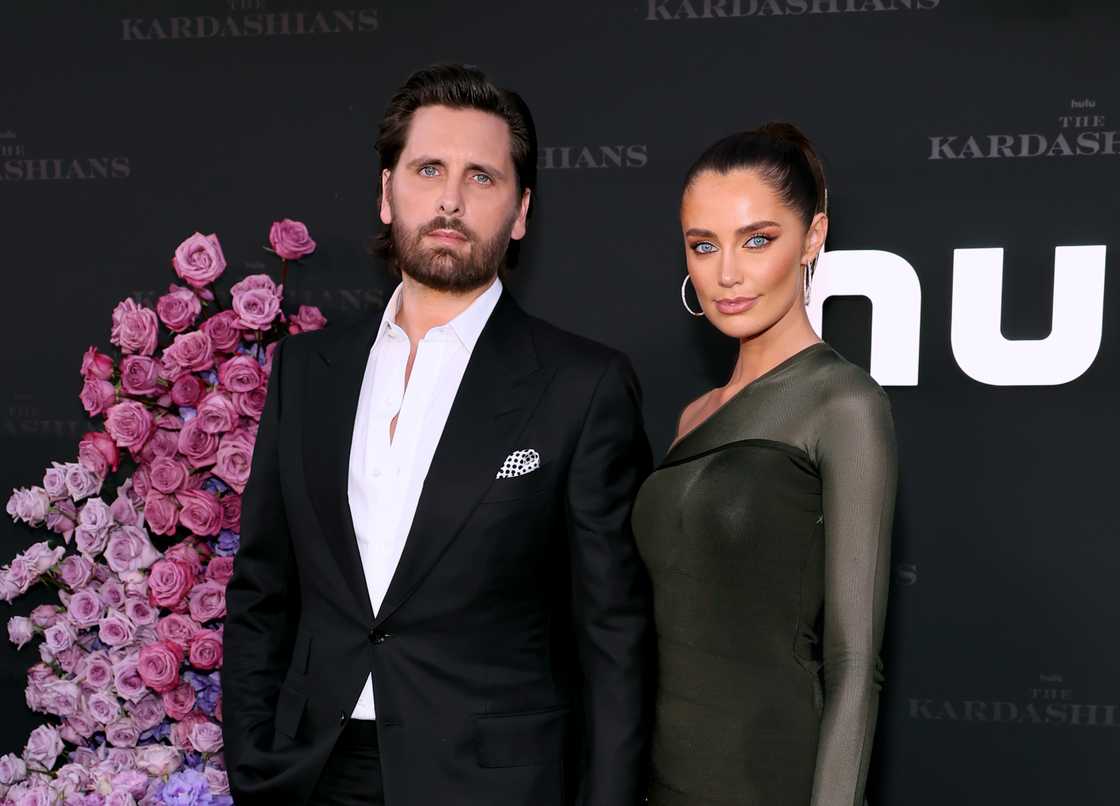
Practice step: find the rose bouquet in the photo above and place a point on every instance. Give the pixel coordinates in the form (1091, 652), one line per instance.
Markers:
(141, 532)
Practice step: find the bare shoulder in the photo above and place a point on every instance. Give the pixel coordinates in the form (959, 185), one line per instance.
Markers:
(693, 413)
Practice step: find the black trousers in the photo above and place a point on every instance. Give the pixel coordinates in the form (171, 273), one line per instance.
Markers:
(352, 776)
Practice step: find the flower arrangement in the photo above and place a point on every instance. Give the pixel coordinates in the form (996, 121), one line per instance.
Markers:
(142, 528)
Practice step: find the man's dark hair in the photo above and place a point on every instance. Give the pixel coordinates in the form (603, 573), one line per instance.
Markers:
(459, 87)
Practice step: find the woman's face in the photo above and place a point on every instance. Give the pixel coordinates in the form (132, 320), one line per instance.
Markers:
(745, 250)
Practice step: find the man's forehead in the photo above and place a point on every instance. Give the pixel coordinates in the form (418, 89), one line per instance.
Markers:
(440, 131)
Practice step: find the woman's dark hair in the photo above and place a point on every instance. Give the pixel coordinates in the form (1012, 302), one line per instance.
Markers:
(783, 157)
(459, 87)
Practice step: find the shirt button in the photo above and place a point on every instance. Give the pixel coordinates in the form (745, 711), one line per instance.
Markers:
(342, 718)
(377, 636)
(375, 472)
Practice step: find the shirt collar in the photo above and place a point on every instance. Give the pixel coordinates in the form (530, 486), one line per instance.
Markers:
(467, 326)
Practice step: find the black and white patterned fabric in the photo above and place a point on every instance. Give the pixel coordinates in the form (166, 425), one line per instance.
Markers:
(519, 463)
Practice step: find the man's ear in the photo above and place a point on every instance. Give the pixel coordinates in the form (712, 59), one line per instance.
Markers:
(518, 231)
(386, 210)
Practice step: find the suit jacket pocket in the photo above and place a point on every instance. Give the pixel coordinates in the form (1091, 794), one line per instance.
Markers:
(289, 710)
(517, 740)
(516, 487)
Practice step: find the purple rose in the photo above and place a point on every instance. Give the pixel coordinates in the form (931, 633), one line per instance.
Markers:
(139, 611)
(85, 608)
(129, 424)
(178, 628)
(90, 542)
(241, 373)
(256, 300)
(251, 404)
(178, 308)
(190, 352)
(223, 330)
(12, 769)
(218, 780)
(199, 260)
(161, 513)
(308, 319)
(96, 671)
(115, 629)
(41, 557)
(200, 511)
(132, 783)
(206, 650)
(207, 601)
(135, 328)
(43, 747)
(103, 707)
(112, 593)
(147, 713)
(126, 678)
(290, 239)
(60, 636)
(188, 390)
(61, 697)
(235, 459)
(95, 514)
(75, 571)
(158, 760)
(81, 482)
(168, 474)
(217, 414)
(54, 481)
(20, 631)
(122, 733)
(206, 737)
(140, 376)
(200, 448)
(129, 549)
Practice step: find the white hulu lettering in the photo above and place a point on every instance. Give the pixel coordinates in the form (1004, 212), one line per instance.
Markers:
(891, 285)
(1075, 336)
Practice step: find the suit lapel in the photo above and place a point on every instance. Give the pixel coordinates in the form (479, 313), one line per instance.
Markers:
(334, 384)
(500, 388)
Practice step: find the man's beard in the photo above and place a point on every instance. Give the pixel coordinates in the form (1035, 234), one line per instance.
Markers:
(443, 268)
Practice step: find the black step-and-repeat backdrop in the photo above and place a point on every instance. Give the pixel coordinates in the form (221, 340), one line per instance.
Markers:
(973, 152)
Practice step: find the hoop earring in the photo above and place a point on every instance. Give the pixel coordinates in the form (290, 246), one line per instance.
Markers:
(684, 299)
(809, 267)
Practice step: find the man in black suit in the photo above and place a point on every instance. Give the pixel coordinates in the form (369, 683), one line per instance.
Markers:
(437, 600)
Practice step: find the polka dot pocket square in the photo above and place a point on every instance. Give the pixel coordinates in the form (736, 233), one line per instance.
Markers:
(519, 463)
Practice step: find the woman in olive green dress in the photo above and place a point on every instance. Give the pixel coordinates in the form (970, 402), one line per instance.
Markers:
(767, 527)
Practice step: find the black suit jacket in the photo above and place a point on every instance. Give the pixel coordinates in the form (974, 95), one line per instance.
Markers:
(509, 658)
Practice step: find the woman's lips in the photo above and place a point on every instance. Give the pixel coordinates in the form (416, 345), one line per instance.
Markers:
(729, 307)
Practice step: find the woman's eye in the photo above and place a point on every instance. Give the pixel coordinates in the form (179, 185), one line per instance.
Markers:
(703, 247)
(757, 241)
(483, 179)
(429, 170)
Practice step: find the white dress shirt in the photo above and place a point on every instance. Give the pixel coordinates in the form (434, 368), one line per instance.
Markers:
(386, 476)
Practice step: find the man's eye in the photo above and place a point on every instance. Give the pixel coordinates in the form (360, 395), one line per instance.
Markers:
(483, 179)
(429, 170)
(703, 247)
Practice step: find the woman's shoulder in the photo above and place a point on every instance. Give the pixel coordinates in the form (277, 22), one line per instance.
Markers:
(837, 380)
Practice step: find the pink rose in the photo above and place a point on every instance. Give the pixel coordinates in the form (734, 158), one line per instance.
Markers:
(220, 569)
(251, 404)
(223, 330)
(216, 413)
(75, 571)
(95, 671)
(103, 706)
(85, 608)
(164, 442)
(200, 448)
(95, 364)
(122, 733)
(115, 629)
(43, 747)
(159, 665)
(181, 730)
(234, 460)
(20, 631)
(167, 474)
(190, 352)
(290, 239)
(308, 318)
(140, 375)
(201, 513)
(129, 549)
(231, 512)
(187, 553)
(256, 300)
(97, 396)
(126, 678)
(161, 513)
(135, 328)
(206, 650)
(206, 737)
(147, 713)
(177, 629)
(178, 308)
(207, 601)
(241, 373)
(103, 444)
(158, 760)
(169, 582)
(12, 769)
(129, 424)
(187, 390)
(199, 260)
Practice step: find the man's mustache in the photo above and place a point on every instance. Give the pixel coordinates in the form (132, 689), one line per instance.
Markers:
(446, 223)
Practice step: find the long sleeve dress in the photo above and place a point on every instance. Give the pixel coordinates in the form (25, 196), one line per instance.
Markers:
(767, 534)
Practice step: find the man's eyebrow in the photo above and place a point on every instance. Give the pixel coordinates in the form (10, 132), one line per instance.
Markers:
(472, 166)
(743, 230)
